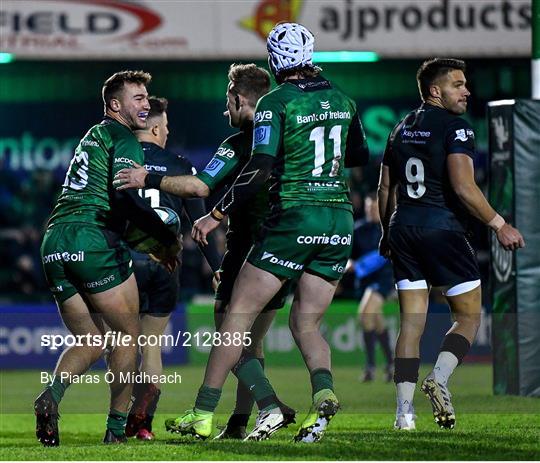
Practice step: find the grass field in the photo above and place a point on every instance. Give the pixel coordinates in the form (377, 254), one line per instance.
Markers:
(488, 427)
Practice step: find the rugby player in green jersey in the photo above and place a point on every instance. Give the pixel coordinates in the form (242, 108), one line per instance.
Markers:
(247, 83)
(87, 264)
(305, 132)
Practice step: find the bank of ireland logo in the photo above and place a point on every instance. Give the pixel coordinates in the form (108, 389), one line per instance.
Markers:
(270, 12)
(325, 104)
(501, 261)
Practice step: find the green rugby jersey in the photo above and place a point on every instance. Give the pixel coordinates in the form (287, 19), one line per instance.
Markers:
(87, 193)
(222, 170)
(304, 124)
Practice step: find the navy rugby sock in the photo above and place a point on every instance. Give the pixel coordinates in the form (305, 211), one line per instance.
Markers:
(369, 341)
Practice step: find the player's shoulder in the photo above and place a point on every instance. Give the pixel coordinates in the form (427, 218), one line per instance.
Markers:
(236, 144)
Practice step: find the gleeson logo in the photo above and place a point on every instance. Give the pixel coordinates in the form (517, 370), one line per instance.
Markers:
(102, 18)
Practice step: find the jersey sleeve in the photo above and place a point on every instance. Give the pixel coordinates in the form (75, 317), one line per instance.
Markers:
(267, 126)
(459, 138)
(218, 170)
(126, 152)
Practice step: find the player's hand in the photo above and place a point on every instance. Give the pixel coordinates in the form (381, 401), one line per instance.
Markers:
(169, 256)
(203, 227)
(510, 237)
(384, 247)
(215, 280)
(130, 178)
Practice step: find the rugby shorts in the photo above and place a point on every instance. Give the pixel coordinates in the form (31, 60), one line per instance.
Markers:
(441, 257)
(237, 250)
(158, 289)
(313, 239)
(83, 258)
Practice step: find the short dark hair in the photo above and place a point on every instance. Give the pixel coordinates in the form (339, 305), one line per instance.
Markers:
(250, 81)
(433, 69)
(115, 84)
(157, 106)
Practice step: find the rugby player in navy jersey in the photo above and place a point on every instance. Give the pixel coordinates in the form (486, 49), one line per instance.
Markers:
(428, 169)
(158, 289)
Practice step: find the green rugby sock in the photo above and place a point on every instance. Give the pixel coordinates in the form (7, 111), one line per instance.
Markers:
(321, 378)
(207, 398)
(252, 376)
(116, 422)
(57, 388)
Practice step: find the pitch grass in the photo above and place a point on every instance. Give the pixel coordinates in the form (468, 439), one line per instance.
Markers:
(488, 427)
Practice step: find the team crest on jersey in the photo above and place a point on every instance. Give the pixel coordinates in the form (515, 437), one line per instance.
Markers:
(213, 167)
(464, 134)
(262, 135)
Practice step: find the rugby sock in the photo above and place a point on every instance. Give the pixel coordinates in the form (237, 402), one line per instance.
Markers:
(57, 388)
(453, 350)
(251, 374)
(244, 403)
(405, 377)
(384, 340)
(116, 422)
(369, 341)
(321, 378)
(207, 398)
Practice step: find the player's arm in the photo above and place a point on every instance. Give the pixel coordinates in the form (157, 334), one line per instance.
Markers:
(195, 208)
(459, 145)
(130, 205)
(356, 148)
(461, 173)
(386, 196)
(185, 186)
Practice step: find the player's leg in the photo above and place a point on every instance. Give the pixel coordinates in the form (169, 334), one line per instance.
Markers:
(253, 289)
(158, 293)
(73, 362)
(413, 307)
(249, 369)
(466, 310)
(119, 307)
(369, 315)
(453, 266)
(313, 296)
(146, 394)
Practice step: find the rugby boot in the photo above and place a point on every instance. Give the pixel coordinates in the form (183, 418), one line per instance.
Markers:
(112, 438)
(270, 421)
(46, 411)
(197, 423)
(325, 406)
(441, 402)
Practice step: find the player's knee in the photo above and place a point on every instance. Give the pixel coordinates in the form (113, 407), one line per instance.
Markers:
(412, 329)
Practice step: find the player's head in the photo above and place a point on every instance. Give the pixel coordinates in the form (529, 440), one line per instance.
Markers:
(126, 99)
(290, 51)
(247, 83)
(441, 81)
(371, 208)
(157, 128)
